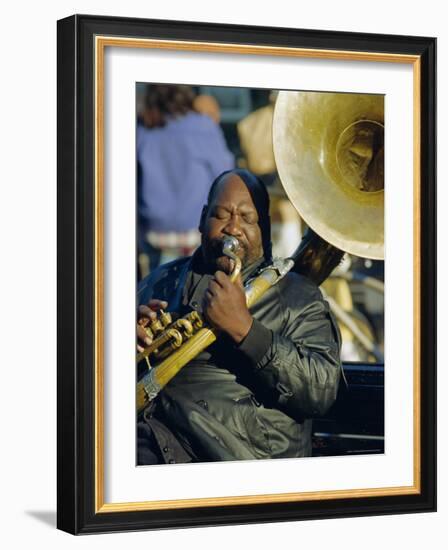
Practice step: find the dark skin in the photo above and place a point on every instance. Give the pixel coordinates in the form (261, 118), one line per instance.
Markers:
(230, 212)
(146, 314)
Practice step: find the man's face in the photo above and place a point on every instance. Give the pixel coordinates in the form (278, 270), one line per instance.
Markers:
(231, 212)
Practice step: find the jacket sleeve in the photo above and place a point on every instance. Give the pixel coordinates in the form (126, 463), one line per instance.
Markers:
(298, 366)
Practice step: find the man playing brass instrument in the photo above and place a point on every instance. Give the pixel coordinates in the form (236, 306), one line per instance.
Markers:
(251, 394)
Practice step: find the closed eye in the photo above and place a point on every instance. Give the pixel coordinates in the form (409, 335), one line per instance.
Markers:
(250, 218)
(221, 214)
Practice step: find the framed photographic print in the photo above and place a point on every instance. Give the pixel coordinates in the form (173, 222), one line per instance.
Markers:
(246, 272)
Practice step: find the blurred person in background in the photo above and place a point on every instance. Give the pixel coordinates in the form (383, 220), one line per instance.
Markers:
(179, 152)
(255, 132)
(208, 105)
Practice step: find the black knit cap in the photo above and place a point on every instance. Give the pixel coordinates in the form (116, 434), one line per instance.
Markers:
(260, 198)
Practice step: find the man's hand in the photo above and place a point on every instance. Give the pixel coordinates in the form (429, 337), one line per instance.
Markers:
(225, 306)
(147, 314)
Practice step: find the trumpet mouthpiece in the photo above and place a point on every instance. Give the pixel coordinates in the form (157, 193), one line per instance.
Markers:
(230, 244)
(229, 247)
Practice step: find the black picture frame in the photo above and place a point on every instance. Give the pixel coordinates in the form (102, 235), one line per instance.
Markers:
(77, 509)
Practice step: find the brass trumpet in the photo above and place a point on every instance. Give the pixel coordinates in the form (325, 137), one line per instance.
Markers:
(168, 335)
(177, 343)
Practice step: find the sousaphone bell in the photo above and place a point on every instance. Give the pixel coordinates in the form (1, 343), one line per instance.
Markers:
(329, 151)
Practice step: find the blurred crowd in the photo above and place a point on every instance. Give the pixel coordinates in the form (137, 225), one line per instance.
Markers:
(186, 136)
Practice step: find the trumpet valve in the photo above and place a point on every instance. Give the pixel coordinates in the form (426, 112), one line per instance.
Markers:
(165, 318)
(156, 326)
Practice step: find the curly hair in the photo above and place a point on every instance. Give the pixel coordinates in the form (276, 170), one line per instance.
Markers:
(165, 100)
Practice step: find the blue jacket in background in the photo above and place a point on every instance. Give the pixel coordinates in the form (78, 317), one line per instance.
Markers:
(176, 166)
